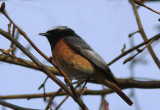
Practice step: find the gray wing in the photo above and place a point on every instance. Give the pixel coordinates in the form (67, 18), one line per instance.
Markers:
(81, 46)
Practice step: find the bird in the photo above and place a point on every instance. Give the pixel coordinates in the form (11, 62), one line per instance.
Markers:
(78, 60)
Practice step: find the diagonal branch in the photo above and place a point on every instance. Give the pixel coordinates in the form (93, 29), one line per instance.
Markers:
(15, 107)
(156, 37)
(140, 2)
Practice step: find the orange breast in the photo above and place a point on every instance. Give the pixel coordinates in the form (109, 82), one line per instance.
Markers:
(71, 62)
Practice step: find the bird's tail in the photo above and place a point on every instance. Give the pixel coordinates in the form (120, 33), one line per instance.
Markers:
(113, 86)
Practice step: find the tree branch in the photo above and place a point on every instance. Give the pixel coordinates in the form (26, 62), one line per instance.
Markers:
(126, 83)
(11, 60)
(156, 37)
(12, 106)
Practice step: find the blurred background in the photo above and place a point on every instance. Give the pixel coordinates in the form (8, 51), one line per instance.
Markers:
(104, 25)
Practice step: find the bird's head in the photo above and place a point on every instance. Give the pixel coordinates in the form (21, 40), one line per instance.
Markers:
(55, 34)
(58, 32)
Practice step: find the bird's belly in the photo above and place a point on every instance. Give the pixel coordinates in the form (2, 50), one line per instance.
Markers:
(71, 62)
(75, 69)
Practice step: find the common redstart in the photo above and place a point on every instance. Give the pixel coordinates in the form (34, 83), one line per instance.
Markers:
(77, 59)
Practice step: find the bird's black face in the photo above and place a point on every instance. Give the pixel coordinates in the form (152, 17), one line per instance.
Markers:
(56, 33)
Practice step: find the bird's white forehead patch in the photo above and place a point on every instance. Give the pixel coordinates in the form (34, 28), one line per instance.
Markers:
(58, 27)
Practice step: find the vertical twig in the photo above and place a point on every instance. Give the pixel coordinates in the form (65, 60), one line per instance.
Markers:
(12, 46)
(51, 99)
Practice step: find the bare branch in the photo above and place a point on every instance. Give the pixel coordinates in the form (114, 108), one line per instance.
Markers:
(126, 83)
(15, 107)
(156, 37)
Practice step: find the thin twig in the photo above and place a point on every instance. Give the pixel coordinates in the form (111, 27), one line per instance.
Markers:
(130, 35)
(51, 99)
(16, 37)
(139, 51)
(9, 27)
(62, 102)
(156, 37)
(43, 85)
(139, 2)
(102, 100)
(12, 46)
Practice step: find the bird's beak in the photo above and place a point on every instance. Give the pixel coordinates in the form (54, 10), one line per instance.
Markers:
(44, 34)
